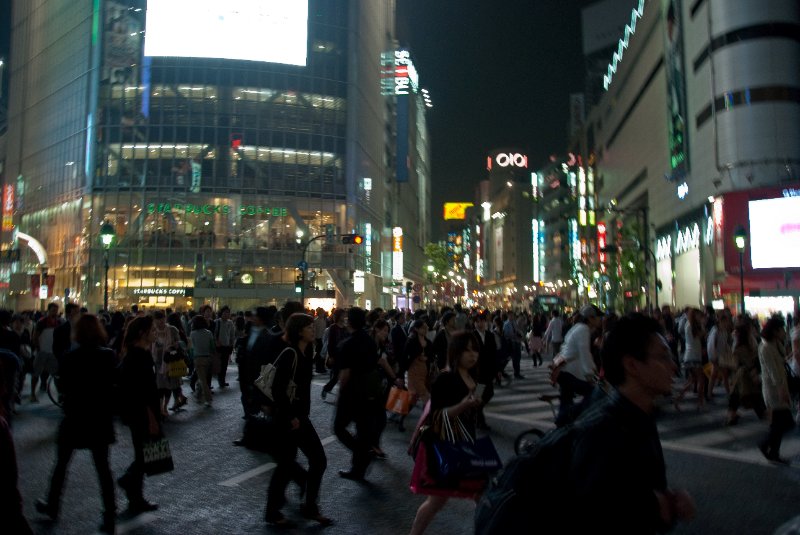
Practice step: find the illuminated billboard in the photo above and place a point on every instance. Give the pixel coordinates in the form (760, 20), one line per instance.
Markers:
(456, 210)
(775, 233)
(274, 31)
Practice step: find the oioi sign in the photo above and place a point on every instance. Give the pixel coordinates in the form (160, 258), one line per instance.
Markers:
(510, 159)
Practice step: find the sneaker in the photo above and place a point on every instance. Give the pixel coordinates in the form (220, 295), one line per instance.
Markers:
(312, 513)
(324, 394)
(46, 509)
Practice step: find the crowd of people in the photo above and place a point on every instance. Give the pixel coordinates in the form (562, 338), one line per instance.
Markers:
(449, 360)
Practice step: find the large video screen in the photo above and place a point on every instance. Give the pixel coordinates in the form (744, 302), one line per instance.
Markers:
(274, 31)
(775, 233)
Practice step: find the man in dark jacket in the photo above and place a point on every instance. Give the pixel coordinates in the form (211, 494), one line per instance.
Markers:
(359, 361)
(253, 345)
(617, 471)
(486, 370)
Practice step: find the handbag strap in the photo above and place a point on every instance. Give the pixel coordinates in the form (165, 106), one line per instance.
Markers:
(451, 433)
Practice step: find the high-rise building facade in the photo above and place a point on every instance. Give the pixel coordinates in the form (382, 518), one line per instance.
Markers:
(216, 150)
(697, 138)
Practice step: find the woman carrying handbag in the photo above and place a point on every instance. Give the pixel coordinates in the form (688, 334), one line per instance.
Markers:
(291, 390)
(141, 406)
(452, 397)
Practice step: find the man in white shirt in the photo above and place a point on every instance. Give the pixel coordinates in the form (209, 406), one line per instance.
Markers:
(574, 367)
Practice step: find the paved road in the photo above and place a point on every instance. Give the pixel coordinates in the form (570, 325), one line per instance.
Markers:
(220, 489)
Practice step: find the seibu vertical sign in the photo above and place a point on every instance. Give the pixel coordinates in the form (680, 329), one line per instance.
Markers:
(8, 208)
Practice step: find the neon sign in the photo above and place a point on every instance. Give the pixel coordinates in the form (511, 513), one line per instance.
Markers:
(664, 248)
(405, 74)
(623, 44)
(511, 160)
(688, 239)
(8, 208)
(602, 235)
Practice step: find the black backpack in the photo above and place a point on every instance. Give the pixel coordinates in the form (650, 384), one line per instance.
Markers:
(530, 484)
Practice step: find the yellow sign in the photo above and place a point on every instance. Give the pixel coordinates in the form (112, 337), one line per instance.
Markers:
(456, 210)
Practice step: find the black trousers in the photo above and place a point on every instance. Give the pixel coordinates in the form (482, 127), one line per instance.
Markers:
(780, 423)
(569, 386)
(134, 475)
(100, 457)
(288, 469)
(360, 412)
(224, 358)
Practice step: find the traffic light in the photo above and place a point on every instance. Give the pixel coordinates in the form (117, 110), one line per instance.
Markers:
(409, 286)
(352, 239)
(298, 284)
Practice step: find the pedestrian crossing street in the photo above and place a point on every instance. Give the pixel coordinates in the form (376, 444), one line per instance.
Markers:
(701, 432)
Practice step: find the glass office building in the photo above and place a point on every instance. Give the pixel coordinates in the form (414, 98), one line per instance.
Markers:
(214, 148)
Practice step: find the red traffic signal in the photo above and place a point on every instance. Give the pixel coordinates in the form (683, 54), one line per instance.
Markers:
(352, 239)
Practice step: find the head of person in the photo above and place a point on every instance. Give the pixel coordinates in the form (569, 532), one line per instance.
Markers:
(52, 310)
(89, 331)
(291, 307)
(339, 316)
(225, 312)
(207, 312)
(774, 329)
(380, 330)
(356, 318)
(199, 322)
(373, 316)
(264, 315)
(159, 319)
(462, 351)
(72, 311)
(449, 320)
(482, 321)
(591, 316)
(299, 328)
(743, 332)
(635, 353)
(138, 332)
(418, 328)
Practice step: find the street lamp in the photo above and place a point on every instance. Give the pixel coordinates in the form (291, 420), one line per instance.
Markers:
(740, 238)
(107, 236)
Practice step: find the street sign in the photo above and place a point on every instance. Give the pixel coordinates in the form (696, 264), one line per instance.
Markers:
(302, 265)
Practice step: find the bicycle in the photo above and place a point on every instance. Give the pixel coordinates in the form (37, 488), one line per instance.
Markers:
(53, 392)
(526, 440)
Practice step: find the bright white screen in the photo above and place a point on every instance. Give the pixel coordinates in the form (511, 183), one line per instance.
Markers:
(775, 233)
(274, 31)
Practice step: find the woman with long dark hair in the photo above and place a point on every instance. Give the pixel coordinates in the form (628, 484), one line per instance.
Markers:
(452, 396)
(86, 374)
(291, 390)
(140, 405)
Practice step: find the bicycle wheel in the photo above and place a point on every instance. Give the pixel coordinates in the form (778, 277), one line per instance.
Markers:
(527, 440)
(52, 390)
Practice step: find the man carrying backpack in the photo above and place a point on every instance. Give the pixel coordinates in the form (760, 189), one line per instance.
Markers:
(609, 461)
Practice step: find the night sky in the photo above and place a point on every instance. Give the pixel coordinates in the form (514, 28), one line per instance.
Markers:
(500, 73)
